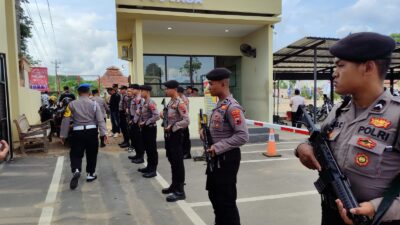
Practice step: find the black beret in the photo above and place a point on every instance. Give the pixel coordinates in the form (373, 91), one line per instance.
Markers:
(180, 89)
(134, 86)
(115, 85)
(145, 87)
(123, 87)
(363, 46)
(218, 74)
(171, 84)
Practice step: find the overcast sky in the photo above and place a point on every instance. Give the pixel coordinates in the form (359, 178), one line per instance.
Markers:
(84, 39)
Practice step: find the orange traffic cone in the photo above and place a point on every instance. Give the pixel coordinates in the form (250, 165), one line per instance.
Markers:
(271, 145)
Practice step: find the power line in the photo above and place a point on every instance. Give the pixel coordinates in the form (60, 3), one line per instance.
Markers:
(52, 27)
(37, 31)
(41, 20)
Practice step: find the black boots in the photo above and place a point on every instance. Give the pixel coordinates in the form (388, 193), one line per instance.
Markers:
(169, 189)
(178, 194)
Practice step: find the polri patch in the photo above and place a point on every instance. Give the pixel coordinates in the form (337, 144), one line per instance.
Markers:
(236, 116)
(362, 159)
(366, 143)
(380, 122)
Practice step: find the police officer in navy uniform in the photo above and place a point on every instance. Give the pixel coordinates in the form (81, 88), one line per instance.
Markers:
(187, 145)
(363, 130)
(87, 118)
(135, 131)
(228, 132)
(178, 119)
(148, 126)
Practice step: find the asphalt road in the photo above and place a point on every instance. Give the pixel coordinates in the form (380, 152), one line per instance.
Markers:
(35, 190)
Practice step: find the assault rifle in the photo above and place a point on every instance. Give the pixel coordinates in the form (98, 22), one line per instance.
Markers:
(165, 117)
(207, 142)
(331, 179)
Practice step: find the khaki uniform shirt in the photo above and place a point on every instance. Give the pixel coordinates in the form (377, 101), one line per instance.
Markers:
(103, 105)
(178, 115)
(362, 146)
(83, 111)
(228, 126)
(149, 112)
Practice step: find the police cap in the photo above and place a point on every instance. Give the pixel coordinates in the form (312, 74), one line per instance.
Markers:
(145, 87)
(134, 86)
(218, 74)
(171, 84)
(84, 88)
(363, 46)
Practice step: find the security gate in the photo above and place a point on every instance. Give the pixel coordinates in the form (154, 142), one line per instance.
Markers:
(5, 128)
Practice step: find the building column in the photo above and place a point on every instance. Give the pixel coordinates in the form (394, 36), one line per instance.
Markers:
(12, 65)
(137, 47)
(257, 82)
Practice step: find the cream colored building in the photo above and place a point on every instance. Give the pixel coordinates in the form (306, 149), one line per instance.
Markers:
(184, 39)
(14, 98)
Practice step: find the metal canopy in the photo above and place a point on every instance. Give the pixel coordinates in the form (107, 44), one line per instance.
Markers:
(296, 61)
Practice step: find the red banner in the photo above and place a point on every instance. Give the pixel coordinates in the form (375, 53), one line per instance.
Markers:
(38, 79)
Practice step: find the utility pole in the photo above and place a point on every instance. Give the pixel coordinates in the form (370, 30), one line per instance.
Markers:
(56, 66)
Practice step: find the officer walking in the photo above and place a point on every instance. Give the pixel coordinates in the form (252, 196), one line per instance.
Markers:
(148, 118)
(187, 145)
(136, 134)
(104, 109)
(87, 118)
(228, 132)
(178, 119)
(363, 131)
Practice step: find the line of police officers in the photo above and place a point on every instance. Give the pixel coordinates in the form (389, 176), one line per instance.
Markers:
(363, 134)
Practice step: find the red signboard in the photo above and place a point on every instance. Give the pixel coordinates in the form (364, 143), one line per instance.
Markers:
(38, 79)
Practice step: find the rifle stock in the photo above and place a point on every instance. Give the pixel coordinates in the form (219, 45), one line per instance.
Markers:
(331, 179)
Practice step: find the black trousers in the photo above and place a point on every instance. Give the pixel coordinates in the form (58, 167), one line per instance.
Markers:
(173, 146)
(331, 216)
(296, 117)
(150, 145)
(84, 141)
(187, 145)
(123, 123)
(221, 186)
(137, 139)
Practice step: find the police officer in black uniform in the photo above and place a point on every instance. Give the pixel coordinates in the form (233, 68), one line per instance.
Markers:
(178, 119)
(87, 118)
(228, 132)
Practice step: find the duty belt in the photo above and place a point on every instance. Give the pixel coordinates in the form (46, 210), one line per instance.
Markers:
(87, 127)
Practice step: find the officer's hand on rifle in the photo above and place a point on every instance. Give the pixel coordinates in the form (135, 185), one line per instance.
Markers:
(141, 124)
(162, 115)
(211, 150)
(168, 129)
(365, 209)
(307, 158)
(201, 134)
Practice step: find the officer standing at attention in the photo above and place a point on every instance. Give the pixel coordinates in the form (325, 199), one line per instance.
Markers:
(136, 134)
(104, 109)
(364, 131)
(178, 119)
(228, 132)
(187, 145)
(123, 122)
(148, 126)
(87, 119)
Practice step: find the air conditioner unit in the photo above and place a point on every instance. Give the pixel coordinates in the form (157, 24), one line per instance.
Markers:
(126, 52)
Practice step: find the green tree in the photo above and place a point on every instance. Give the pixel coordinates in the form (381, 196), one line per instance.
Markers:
(396, 37)
(191, 69)
(24, 31)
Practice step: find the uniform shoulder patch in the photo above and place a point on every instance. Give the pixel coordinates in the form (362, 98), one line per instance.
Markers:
(236, 116)
(182, 107)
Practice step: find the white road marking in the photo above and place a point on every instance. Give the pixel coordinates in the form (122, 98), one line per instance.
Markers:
(47, 212)
(260, 198)
(190, 213)
(279, 150)
(267, 160)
